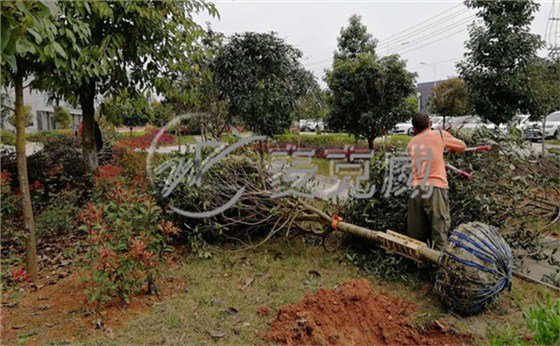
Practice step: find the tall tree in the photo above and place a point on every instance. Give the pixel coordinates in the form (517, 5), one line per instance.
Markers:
(354, 39)
(135, 45)
(495, 68)
(213, 116)
(28, 41)
(367, 95)
(544, 83)
(450, 98)
(260, 78)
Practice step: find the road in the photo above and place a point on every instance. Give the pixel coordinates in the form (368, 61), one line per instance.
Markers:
(537, 147)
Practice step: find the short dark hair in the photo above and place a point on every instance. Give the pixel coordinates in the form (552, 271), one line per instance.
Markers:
(420, 122)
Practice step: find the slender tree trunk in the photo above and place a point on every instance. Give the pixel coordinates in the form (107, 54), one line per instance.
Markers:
(87, 98)
(370, 143)
(543, 136)
(27, 208)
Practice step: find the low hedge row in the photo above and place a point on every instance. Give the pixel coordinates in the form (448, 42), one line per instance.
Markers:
(328, 140)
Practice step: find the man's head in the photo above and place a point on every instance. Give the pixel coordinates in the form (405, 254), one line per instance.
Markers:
(420, 122)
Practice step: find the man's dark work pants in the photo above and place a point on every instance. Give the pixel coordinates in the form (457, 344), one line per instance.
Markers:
(428, 218)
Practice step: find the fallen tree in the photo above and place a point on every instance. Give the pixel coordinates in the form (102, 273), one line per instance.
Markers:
(508, 191)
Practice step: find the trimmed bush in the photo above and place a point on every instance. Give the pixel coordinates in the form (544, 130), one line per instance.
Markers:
(328, 140)
(7, 137)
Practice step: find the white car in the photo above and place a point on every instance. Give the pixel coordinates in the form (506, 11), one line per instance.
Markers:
(437, 122)
(403, 129)
(408, 129)
(474, 122)
(519, 122)
(533, 129)
(307, 125)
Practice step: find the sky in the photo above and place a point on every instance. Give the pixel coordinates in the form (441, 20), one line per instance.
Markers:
(429, 35)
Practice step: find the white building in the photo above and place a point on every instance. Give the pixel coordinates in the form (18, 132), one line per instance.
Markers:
(42, 110)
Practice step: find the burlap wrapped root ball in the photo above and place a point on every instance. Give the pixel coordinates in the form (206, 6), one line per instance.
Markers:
(475, 267)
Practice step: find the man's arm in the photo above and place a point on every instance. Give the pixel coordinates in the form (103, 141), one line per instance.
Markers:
(452, 143)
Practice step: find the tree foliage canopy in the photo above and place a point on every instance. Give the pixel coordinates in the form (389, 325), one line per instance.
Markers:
(128, 110)
(368, 94)
(449, 98)
(544, 86)
(260, 78)
(133, 45)
(313, 105)
(354, 39)
(499, 53)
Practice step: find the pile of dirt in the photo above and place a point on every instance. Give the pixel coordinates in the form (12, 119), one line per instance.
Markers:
(355, 315)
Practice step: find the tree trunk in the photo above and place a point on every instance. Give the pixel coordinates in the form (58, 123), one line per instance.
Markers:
(543, 136)
(87, 97)
(27, 208)
(370, 143)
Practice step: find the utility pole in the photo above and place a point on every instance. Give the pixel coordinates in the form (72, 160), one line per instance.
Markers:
(552, 40)
(552, 31)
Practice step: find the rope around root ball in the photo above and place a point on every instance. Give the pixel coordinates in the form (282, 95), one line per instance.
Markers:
(475, 267)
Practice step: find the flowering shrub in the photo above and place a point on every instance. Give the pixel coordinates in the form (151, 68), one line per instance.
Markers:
(127, 236)
(9, 204)
(20, 275)
(184, 131)
(109, 172)
(144, 142)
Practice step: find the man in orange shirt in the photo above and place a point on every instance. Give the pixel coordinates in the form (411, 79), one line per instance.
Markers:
(428, 206)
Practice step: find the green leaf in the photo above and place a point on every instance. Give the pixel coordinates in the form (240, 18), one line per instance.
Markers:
(52, 7)
(11, 60)
(59, 50)
(24, 46)
(6, 31)
(35, 34)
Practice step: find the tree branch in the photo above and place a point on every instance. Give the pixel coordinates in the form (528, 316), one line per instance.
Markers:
(8, 108)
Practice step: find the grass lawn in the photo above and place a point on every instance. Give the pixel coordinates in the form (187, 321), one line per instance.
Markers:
(226, 291)
(270, 276)
(129, 134)
(185, 139)
(553, 141)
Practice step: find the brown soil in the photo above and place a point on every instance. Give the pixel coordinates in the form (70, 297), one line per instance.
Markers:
(355, 315)
(59, 312)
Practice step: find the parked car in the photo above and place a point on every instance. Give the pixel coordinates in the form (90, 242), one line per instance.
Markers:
(519, 122)
(533, 130)
(403, 129)
(306, 125)
(454, 123)
(437, 122)
(476, 122)
(408, 129)
(468, 123)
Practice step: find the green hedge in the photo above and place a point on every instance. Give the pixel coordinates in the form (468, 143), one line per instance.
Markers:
(43, 136)
(395, 141)
(340, 140)
(323, 140)
(7, 137)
